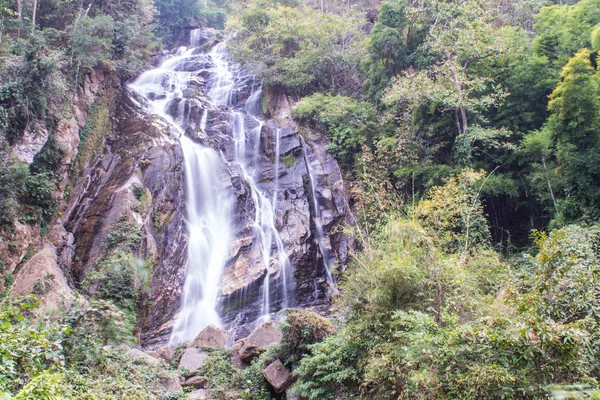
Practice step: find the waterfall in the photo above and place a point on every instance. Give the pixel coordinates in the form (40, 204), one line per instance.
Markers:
(209, 196)
(318, 223)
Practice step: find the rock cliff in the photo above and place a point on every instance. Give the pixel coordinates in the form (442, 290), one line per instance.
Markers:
(132, 176)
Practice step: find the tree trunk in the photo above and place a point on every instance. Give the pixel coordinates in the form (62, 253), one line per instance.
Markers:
(549, 185)
(459, 94)
(33, 17)
(20, 17)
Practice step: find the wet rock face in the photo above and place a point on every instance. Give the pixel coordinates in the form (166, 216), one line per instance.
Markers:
(281, 173)
(144, 152)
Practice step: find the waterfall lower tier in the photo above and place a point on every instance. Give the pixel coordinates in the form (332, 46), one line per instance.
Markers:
(257, 235)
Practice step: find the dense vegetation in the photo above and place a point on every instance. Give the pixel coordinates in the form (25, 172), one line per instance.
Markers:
(469, 133)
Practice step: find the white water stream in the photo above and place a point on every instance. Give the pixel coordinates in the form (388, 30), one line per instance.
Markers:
(209, 199)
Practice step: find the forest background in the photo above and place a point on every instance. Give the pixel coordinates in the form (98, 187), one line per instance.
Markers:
(469, 134)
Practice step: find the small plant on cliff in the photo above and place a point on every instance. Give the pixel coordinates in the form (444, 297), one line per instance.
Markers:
(124, 234)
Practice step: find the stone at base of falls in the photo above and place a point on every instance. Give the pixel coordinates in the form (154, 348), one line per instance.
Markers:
(140, 356)
(171, 384)
(211, 336)
(166, 352)
(278, 376)
(198, 382)
(201, 394)
(192, 359)
(265, 335)
(235, 350)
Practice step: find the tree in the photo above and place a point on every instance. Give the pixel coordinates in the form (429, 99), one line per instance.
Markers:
(575, 127)
(299, 49)
(460, 38)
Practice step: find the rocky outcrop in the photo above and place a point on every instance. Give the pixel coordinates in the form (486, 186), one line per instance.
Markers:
(201, 394)
(98, 87)
(140, 356)
(171, 384)
(132, 170)
(166, 352)
(265, 335)
(278, 376)
(197, 382)
(192, 359)
(211, 336)
(42, 277)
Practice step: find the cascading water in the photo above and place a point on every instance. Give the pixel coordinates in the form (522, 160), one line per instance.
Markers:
(209, 197)
(318, 223)
(248, 158)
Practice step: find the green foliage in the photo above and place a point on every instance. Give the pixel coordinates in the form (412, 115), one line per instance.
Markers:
(117, 35)
(176, 14)
(301, 329)
(394, 44)
(348, 122)
(454, 212)
(64, 355)
(124, 234)
(575, 129)
(121, 278)
(92, 135)
(49, 158)
(298, 48)
(219, 372)
(93, 39)
(564, 30)
(424, 322)
(329, 373)
(32, 195)
(29, 78)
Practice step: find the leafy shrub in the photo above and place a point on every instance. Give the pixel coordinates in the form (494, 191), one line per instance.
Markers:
(329, 373)
(49, 158)
(121, 278)
(18, 186)
(125, 234)
(301, 329)
(348, 122)
(455, 213)
(220, 372)
(298, 48)
(39, 191)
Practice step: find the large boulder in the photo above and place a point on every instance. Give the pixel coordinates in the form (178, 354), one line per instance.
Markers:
(235, 351)
(200, 394)
(140, 356)
(211, 336)
(171, 384)
(166, 352)
(278, 376)
(192, 359)
(265, 335)
(42, 276)
(198, 382)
